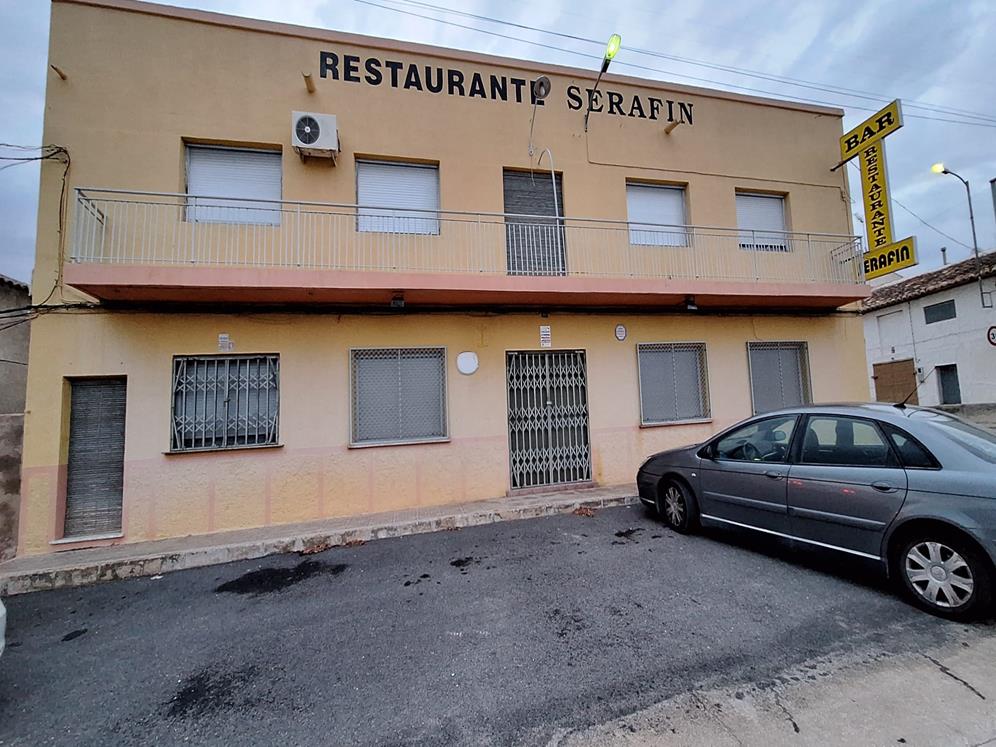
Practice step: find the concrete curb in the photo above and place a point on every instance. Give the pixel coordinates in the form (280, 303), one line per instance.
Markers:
(96, 571)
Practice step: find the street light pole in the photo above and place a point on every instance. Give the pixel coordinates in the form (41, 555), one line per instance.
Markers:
(939, 168)
(610, 52)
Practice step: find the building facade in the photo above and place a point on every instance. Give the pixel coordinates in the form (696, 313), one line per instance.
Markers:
(479, 294)
(932, 337)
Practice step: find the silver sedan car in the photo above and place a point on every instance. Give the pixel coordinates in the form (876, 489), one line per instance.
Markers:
(909, 487)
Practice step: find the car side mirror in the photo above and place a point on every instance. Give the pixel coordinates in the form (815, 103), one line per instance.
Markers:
(709, 452)
(778, 436)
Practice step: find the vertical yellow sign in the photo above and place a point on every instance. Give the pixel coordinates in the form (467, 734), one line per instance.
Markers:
(875, 187)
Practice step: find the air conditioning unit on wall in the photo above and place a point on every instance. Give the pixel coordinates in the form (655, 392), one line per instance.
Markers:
(315, 135)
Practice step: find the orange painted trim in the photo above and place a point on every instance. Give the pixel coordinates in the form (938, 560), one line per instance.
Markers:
(169, 283)
(372, 42)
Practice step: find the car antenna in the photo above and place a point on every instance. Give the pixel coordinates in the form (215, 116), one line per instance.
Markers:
(902, 405)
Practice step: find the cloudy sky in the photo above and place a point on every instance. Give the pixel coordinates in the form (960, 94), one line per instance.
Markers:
(935, 55)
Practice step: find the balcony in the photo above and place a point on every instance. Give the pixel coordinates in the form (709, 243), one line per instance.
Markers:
(161, 247)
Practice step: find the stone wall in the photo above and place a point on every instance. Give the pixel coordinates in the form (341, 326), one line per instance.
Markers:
(11, 432)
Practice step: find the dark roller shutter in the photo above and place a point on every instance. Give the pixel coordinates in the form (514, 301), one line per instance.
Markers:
(534, 245)
(96, 457)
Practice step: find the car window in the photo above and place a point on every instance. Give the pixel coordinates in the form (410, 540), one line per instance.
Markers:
(975, 440)
(761, 441)
(911, 452)
(831, 439)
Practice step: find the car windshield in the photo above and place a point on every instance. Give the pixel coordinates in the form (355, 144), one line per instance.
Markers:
(979, 442)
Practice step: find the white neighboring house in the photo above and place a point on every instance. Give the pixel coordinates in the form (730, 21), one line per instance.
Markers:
(930, 333)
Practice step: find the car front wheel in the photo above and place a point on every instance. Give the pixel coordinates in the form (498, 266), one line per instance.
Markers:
(677, 506)
(944, 574)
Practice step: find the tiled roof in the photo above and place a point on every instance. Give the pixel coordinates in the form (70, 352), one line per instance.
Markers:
(951, 276)
(4, 280)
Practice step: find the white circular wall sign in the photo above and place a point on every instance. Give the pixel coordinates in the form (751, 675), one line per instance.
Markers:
(467, 363)
(620, 332)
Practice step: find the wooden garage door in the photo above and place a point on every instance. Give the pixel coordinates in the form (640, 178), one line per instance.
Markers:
(894, 381)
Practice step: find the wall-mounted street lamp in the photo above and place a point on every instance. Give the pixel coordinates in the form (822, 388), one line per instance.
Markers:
(611, 50)
(939, 168)
(540, 90)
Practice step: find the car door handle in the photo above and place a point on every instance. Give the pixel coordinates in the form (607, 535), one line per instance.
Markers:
(883, 487)
(774, 475)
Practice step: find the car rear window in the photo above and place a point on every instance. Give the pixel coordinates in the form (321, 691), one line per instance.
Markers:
(975, 440)
(911, 452)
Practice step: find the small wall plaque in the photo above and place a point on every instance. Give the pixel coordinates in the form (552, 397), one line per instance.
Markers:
(546, 338)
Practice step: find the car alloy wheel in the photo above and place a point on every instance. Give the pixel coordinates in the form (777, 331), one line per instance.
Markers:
(939, 574)
(674, 506)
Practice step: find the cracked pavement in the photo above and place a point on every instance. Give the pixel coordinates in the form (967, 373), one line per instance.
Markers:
(566, 630)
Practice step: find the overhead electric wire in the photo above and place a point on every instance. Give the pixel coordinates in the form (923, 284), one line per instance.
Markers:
(908, 210)
(779, 94)
(50, 152)
(826, 87)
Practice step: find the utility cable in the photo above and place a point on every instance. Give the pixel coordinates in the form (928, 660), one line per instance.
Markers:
(781, 95)
(825, 87)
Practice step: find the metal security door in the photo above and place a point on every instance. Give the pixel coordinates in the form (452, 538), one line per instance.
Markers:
(95, 473)
(548, 418)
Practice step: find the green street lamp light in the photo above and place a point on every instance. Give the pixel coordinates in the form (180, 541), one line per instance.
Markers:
(611, 50)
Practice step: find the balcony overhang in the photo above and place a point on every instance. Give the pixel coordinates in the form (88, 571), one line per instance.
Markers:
(246, 285)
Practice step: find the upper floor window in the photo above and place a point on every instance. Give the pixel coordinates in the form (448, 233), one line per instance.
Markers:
(656, 215)
(535, 243)
(938, 312)
(779, 374)
(233, 185)
(761, 222)
(397, 197)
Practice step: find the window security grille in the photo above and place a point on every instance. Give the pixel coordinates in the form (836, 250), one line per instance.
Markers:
(224, 402)
(779, 374)
(656, 215)
(674, 382)
(399, 394)
(938, 312)
(761, 220)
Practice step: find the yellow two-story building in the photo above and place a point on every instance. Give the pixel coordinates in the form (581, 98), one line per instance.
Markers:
(302, 274)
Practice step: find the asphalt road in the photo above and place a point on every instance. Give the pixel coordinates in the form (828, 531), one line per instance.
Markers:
(508, 633)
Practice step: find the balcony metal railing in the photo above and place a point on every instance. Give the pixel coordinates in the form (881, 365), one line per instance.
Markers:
(157, 228)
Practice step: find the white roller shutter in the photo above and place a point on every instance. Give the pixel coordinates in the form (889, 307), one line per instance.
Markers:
(656, 215)
(245, 175)
(761, 220)
(397, 197)
(779, 375)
